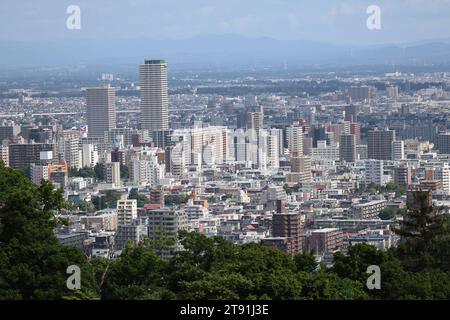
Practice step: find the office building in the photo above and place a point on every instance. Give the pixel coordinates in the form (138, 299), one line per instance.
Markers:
(347, 148)
(379, 144)
(100, 110)
(21, 156)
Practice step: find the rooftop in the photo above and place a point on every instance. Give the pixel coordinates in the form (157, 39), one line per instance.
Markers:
(160, 61)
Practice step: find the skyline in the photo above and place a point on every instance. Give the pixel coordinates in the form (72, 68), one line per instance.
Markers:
(334, 22)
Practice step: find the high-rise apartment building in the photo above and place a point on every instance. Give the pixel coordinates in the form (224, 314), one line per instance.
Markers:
(166, 223)
(443, 143)
(69, 147)
(154, 95)
(21, 156)
(294, 136)
(374, 172)
(347, 148)
(355, 129)
(126, 211)
(380, 144)
(8, 132)
(4, 154)
(362, 93)
(112, 173)
(398, 150)
(402, 175)
(101, 111)
(288, 225)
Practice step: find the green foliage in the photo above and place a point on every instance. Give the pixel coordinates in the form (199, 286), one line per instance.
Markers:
(290, 190)
(100, 171)
(85, 172)
(32, 262)
(305, 262)
(141, 199)
(172, 200)
(387, 213)
(107, 200)
(425, 232)
(124, 172)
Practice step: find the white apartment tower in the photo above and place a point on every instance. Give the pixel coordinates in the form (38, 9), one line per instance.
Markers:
(295, 140)
(126, 211)
(154, 95)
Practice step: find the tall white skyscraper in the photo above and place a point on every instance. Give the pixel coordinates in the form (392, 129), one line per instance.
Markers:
(295, 140)
(154, 95)
(101, 111)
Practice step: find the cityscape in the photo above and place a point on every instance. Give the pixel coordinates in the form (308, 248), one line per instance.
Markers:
(258, 178)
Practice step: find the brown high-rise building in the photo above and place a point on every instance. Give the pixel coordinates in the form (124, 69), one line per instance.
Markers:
(355, 129)
(380, 144)
(402, 176)
(21, 156)
(288, 225)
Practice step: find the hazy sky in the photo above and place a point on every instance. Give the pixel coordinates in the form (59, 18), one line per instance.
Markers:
(342, 22)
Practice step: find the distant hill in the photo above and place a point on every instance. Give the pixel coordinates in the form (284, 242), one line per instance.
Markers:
(221, 51)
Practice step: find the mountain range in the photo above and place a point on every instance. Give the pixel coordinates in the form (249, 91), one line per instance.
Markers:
(222, 51)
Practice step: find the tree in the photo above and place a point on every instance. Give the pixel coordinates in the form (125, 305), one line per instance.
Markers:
(372, 188)
(141, 199)
(32, 262)
(99, 170)
(124, 172)
(425, 232)
(108, 200)
(387, 213)
(171, 200)
(305, 262)
(137, 274)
